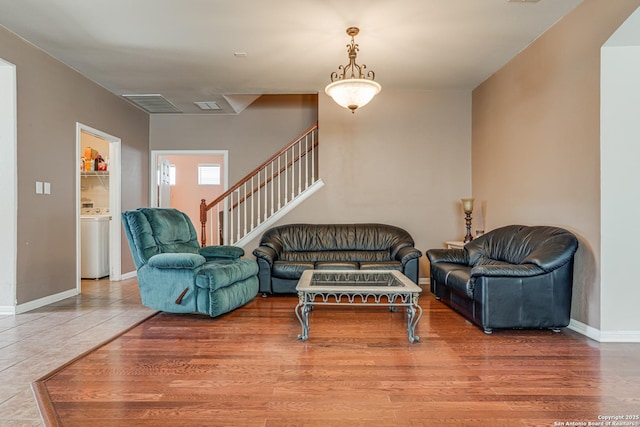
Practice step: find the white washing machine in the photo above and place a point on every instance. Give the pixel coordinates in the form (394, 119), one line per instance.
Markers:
(94, 243)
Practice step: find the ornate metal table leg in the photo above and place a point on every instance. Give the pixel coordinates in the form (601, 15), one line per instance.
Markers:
(302, 313)
(392, 300)
(412, 319)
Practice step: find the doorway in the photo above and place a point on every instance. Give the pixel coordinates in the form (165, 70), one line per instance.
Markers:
(108, 175)
(177, 182)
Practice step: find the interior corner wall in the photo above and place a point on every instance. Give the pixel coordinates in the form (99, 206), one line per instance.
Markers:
(8, 186)
(536, 139)
(51, 99)
(403, 160)
(620, 207)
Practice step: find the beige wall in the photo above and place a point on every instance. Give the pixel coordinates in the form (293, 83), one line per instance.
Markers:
(404, 160)
(51, 99)
(536, 139)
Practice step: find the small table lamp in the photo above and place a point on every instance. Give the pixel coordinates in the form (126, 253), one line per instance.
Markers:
(467, 205)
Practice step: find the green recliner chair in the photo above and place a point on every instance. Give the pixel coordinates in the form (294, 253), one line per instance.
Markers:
(176, 275)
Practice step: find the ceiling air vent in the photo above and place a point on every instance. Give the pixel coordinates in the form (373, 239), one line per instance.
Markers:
(208, 105)
(153, 103)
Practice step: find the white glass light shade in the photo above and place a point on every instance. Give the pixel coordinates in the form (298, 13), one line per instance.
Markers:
(353, 93)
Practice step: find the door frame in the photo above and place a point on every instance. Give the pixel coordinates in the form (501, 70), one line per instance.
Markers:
(115, 179)
(153, 169)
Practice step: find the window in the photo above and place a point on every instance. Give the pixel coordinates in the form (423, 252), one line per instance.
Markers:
(208, 174)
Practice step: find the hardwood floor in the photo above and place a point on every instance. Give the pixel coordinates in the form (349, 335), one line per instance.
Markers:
(358, 369)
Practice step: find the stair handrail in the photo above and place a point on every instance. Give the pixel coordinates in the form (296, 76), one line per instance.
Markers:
(204, 207)
(262, 184)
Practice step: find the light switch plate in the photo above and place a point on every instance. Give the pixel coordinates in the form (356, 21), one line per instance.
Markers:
(47, 188)
(38, 187)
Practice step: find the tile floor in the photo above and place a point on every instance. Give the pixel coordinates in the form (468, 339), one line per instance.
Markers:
(35, 343)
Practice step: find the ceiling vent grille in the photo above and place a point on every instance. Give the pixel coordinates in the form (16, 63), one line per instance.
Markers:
(153, 103)
(208, 105)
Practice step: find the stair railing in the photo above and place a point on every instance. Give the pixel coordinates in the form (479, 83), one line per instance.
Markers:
(264, 191)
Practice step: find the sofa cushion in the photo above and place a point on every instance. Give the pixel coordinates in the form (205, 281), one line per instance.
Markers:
(289, 269)
(221, 252)
(544, 246)
(336, 265)
(178, 260)
(455, 276)
(156, 231)
(460, 282)
(335, 256)
(327, 237)
(480, 261)
(172, 227)
(381, 265)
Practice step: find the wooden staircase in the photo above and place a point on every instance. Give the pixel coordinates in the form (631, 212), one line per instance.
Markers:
(265, 195)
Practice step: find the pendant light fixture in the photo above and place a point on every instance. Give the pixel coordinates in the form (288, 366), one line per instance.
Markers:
(350, 87)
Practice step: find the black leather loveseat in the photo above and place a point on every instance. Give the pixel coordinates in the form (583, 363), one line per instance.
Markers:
(512, 277)
(286, 251)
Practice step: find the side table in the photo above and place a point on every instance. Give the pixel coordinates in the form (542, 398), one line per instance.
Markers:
(454, 244)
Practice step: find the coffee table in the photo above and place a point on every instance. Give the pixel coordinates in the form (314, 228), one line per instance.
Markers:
(357, 287)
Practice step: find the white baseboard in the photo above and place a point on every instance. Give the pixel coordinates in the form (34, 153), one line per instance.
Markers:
(606, 336)
(620, 336)
(32, 305)
(129, 275)
(424, 281)
(7, 310)
(584, 329)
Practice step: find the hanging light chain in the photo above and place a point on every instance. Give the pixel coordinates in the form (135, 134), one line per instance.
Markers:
(352, 70)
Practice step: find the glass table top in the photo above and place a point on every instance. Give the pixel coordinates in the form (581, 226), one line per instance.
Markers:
(356, 280)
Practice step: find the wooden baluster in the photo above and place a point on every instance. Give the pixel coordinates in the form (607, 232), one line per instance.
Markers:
(313, 159)
(306, 162)
(275, 190)
(203, 222)
(266, 193)
(244, 206)
(299, 161)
